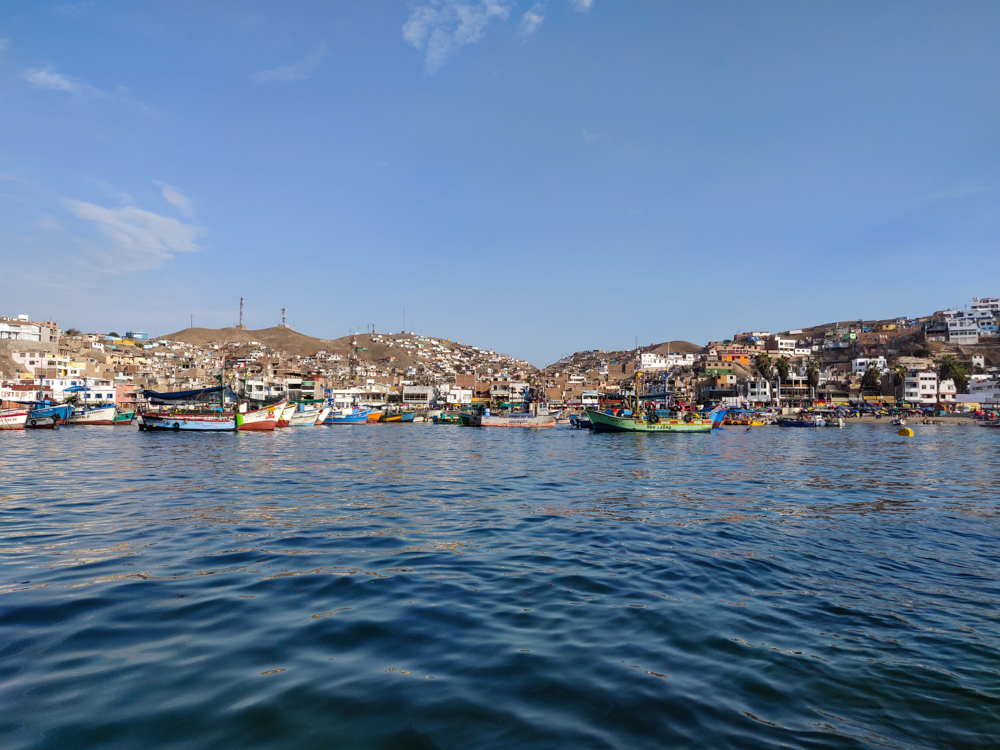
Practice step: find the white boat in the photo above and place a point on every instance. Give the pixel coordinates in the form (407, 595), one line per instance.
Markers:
(98, 415)
(14, 419)
(286, 415)
(265, 419)
(306, 418)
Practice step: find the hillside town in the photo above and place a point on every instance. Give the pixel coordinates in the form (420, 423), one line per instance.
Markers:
(949, 361)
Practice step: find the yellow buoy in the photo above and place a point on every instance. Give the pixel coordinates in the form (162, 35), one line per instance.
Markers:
(905, 432)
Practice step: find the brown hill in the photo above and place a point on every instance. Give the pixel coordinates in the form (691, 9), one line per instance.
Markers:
(278, 338)
(674, 347)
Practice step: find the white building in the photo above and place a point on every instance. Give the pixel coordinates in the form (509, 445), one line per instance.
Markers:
(755, 391)
(860, 365)
(420, 395)
(22, 329)
(947, 391)
(986, 304)
(653, 361)
(963, 331)
(921, 387)
(589, 398)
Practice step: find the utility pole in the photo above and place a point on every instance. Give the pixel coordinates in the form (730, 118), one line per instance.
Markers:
(404, 320)
(192, 321)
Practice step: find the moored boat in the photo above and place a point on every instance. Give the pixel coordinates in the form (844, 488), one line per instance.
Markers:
(13, 418)
(404, 416)
(124, 416)
(354, 415)
(306, 417)
(103, 416)
(48, 415)
(188, 422)
(673, 422)
(260, 420)
(803, 421)
(374, 416)
(284, 419)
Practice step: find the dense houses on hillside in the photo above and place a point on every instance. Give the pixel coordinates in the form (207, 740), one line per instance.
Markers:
(948, 359)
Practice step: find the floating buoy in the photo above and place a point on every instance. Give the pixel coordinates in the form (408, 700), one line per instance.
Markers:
(905, 432)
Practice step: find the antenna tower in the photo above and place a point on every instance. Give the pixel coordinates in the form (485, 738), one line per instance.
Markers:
(283, 324)
(241, 326)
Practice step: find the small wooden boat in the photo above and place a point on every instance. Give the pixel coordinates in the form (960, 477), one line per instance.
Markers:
(13, 418)
(98, 415)
(306, 418)
(353, 415)
(405, 416)
(124, 417)
(284, 419)
(187, 422)
(260, 420)
(803, 421)
(44, 414)
(374, 416)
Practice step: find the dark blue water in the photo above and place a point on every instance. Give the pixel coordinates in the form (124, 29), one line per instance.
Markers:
(419, 586)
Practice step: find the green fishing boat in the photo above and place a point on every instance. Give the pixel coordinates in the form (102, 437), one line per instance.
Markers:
(686, 422)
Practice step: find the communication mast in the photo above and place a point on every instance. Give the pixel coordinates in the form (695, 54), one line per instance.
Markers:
(283, 323)
(241, 326)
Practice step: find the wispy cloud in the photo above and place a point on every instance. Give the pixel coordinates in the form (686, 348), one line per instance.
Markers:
(581, 5)
(441, 26)
(48, 79)
(138, 240)
(296, 72)
(589, 137)
(959, 191)
(176, 198)
(3, 43)
(530, 21)
(381, 164)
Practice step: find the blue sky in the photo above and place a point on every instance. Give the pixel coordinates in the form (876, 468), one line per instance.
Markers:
(536, 177)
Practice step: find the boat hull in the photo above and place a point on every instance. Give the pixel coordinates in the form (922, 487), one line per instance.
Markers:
(187, 423)
(48, 416)
(306, 418)
(407, 417)
(103, 416)
(512, 420)
(13, 419)
(124, 417)
(260, 420)
(285, 418)
(602, 422)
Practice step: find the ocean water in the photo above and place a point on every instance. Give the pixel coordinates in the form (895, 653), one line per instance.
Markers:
(425, 586)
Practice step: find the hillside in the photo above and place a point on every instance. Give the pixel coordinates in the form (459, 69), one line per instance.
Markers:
(674, 347)
(278, 338)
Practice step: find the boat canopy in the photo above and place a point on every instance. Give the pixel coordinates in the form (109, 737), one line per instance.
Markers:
(200, 396)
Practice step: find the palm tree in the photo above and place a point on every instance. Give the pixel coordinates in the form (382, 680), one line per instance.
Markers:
(812, 373)
(899, 373)
(783, 367)
(763, 364)
(872, 376)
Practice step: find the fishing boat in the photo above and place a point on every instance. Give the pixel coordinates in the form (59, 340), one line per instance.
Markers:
(45, 414)
(260, 420)
(308, 417)
(353, 415)
(188, 422)
(580, 422)
(103, 416)
(124, 417)
(718, 416)
(399, 416)
(374, 416)
(484, 418)
(13, 418)
(994, 423)
(286, 415)
(447, 418)
(803, 420)
(675, 421)
(745, 419)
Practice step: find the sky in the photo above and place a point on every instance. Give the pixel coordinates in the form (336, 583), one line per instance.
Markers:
(533, 177)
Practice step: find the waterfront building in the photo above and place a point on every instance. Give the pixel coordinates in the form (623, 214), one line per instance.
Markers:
(921, 387)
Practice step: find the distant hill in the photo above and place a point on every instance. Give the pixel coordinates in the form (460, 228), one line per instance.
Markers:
(277, 338)
(675, 347)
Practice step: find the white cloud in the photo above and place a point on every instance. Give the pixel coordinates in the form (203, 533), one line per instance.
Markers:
(589, 137)
(441, 26)
(138, 240)
(296, 72)
(47, 79)
(960, 191)
(530, 21)
(176, 198)
(581, 5)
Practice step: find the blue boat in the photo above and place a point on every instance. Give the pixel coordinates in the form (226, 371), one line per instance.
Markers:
(347, 416)
(47, 414)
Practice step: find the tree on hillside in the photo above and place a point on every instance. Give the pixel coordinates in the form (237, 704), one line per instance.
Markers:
(72, 331)
(872, 376)
(763, 364)
(783, 367)
(114, 334)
